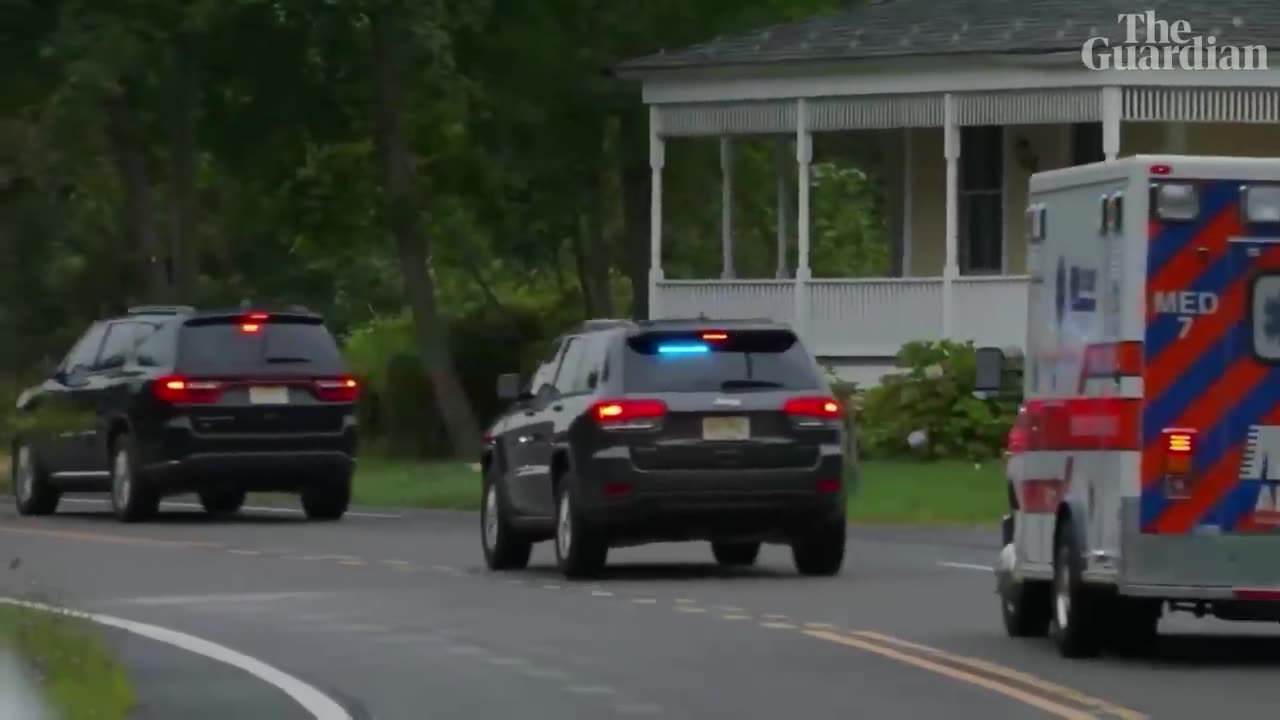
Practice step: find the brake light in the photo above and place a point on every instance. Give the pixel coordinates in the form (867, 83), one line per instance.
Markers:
(1179, 449)
(250, 327)
(628, 414)
(714, 336)
(257, 317)
(342, 389)
(812, 407)
(183, 391)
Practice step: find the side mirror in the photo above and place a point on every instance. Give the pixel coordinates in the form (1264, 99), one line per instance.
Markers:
(989, 370)
(508, 386)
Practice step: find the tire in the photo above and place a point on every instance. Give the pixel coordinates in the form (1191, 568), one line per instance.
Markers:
(1025, 607)
(327, 502)
(735, 554)
(221, 503)
(504, 547)
(820, 553)
(132, 499)
(581, 551)
(32, 492)
(1076, 619)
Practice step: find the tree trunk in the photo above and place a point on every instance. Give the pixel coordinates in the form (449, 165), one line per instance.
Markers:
(411, 246)
(182, 151)
(633, 146)
(138, 221)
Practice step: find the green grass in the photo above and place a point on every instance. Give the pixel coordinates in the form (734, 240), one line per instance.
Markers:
(77, 672)
(942, 493)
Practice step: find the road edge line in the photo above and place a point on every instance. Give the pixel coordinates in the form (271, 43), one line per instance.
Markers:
(321, 706)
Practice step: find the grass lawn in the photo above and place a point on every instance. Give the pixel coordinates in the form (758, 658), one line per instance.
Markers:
(80, 677)
(942, 493)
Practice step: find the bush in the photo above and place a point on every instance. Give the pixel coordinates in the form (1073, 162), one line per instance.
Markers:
(932, 391)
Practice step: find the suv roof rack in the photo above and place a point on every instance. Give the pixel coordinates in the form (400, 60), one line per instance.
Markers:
(161, 310)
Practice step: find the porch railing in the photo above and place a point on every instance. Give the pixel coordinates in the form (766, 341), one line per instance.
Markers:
(866, 317)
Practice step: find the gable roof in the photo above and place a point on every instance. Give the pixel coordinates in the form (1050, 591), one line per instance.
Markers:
(907, 28)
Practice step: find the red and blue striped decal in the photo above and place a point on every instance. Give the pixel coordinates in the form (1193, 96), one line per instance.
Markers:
(1183, 378)
(1207, 380)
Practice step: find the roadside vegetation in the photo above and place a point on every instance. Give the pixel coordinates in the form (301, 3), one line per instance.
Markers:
(70, 662)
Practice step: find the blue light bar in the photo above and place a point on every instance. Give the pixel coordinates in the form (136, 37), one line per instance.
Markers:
(684, 349)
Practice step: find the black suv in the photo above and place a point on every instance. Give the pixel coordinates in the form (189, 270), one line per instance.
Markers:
(670, 430)
(171, 400)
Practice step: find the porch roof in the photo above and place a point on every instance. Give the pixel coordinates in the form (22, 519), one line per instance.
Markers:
(884, 29)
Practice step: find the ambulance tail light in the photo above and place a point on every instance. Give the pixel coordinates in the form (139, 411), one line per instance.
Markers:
(1179, 473)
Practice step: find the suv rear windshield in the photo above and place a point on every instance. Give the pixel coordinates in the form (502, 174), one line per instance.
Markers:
(728, 361)
(279, 346)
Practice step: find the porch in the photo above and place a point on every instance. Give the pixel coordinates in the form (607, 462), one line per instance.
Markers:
(955, 226)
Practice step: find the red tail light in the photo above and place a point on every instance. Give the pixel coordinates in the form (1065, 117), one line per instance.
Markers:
(824, 408)
(342, 389)
(828, 486)
(183, 391)
(628, 414)
(1179, 479)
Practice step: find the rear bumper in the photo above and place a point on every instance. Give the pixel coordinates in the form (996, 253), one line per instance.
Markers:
(181, 460)
(701, 504)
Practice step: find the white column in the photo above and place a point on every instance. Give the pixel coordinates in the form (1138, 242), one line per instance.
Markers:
(784, 207)
(1112, 111)
(951, 267)
(908, 213)
(726, 208)
(804, 156)
(657, 158)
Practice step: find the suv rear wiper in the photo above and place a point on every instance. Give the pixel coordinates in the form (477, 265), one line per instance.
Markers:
(288, 360)
(734, 384)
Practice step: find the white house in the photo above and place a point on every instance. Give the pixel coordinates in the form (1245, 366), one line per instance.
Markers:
(971, 97)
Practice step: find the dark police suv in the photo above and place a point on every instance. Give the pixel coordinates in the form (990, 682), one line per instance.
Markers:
(671, 430)
(171, 400)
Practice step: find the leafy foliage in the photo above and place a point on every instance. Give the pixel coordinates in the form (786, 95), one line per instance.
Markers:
(933, 392)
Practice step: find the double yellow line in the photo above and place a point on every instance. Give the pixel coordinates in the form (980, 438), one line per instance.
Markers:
(1056, 700)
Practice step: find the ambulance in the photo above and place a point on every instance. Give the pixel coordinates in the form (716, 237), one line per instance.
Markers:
(1148, 478)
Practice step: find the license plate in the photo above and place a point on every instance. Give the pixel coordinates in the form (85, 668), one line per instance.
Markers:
(269, 395)
(726, 428)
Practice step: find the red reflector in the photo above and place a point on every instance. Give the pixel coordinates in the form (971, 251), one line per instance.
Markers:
(1161, 169)
(713, 336)
(343, 389)
(818, 407)
(828, 486)
(616, 489)
(614, 411)
(1266, 595)
(180, 390)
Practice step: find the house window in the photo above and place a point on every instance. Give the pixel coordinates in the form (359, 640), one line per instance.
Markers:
(1086, 143)
(981, 200)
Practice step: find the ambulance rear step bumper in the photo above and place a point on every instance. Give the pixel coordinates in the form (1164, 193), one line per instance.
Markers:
(1225, 603)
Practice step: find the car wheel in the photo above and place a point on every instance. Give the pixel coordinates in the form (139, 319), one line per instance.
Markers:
(131, 499)
(329, 501)
(222, 502)
(820, 552)
(504, 547)
(31, 489)
(1074, 623)
(735, 554)
(580, 551)
(1025, 607)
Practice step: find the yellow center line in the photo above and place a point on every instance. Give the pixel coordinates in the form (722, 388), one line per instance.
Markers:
(1009, 673)
(1053, 708)
(104, 537)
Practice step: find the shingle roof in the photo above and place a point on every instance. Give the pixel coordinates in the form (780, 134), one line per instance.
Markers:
(899, 28)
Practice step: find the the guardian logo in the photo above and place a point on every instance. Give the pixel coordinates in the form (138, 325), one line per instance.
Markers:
(1151, 43)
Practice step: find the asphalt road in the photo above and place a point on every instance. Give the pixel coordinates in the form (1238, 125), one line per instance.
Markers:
(395, 617)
